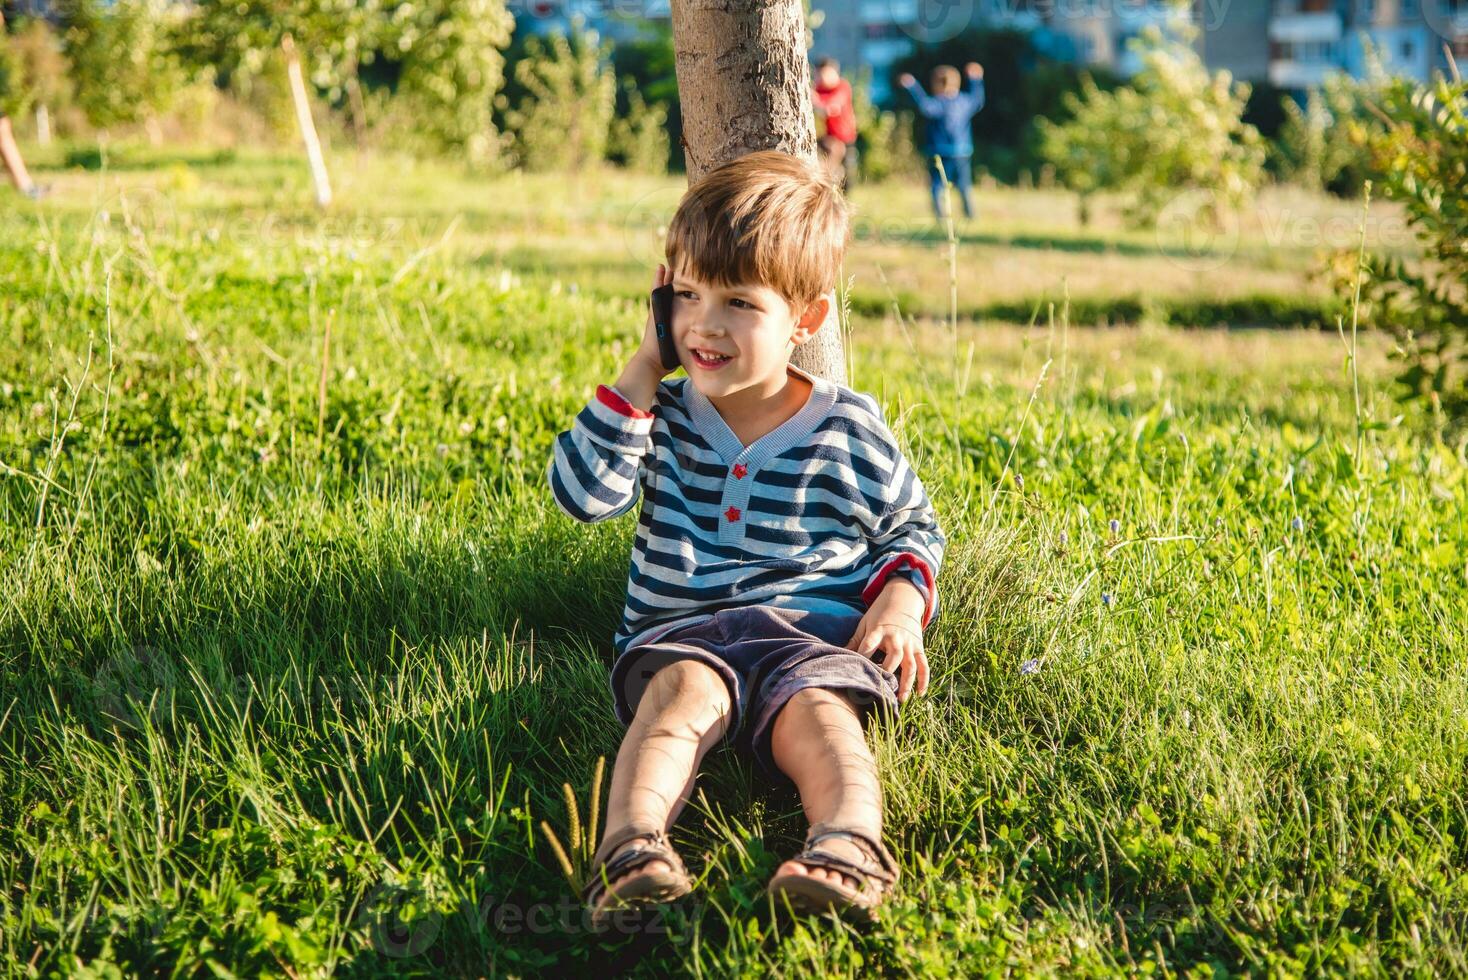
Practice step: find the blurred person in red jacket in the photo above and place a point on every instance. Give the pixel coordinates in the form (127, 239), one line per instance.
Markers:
(832, 100)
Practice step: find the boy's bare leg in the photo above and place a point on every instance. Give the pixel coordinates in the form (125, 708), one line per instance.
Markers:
(682, 714)
(10, 155)
(818, 742)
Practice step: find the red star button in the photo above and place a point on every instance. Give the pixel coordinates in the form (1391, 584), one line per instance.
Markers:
(732, 513)
(739, 471)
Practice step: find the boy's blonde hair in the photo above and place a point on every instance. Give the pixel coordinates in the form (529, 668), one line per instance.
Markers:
(769, 218)
(945, 80)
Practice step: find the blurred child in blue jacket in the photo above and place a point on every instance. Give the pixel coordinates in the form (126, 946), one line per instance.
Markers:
(947, 133)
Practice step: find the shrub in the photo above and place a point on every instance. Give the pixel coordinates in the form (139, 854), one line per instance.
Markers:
(122, 60)
(1315, 148)
(564, 119)
(639, 139)
(452, 69)
(1175, 128)
(884, 137)
(38, 68)
(1421, 156)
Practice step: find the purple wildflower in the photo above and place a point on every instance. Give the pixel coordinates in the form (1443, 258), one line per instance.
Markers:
(1106, 599)
(1115, 525)
(1031, 666)
(1298, 523)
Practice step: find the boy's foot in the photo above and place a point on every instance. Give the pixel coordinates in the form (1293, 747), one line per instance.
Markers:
(639, 866)
(838, 869)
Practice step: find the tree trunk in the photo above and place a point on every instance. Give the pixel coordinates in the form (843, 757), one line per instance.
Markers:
(43, 125)
(744, 85)
(303, 119)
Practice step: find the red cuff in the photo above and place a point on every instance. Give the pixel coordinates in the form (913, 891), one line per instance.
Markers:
(612, 399)
(874, 587)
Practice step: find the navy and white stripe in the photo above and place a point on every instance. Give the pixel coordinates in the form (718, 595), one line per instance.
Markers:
(815, 515)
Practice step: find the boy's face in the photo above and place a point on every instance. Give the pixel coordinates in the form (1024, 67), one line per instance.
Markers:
(752, 325)
(826, 76)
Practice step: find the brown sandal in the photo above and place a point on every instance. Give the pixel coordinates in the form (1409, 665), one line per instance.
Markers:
(875, 877)
(645, 889)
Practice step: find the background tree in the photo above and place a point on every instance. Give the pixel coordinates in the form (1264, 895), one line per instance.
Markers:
(452, 67)
(744, 85)
(645, 65)
(563, 117)
(1176, 127)
(639, 138)
(1420, 153)
(35, 52)
(320, 41)
(1316, 147)
(123, 60)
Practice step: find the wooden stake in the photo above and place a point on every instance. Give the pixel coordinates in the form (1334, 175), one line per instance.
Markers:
(303, 119)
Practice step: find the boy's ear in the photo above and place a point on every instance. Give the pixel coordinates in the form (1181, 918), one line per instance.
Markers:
(810, 321)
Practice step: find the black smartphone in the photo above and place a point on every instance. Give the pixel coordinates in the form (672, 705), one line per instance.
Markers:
(662, 318)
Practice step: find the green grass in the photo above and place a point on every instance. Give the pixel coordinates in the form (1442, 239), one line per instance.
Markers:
(289, 682)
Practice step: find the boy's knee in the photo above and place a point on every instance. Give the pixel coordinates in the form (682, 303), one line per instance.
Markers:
(815, 706)
(684, 685)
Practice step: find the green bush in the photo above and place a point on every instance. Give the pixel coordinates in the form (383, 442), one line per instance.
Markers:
(13, 92)
(122, 59)
(885, 138)
(639, 139)
(37, 50)
(563, 121)
(452, 70)
(1421, 156)
(1315, 148)
(1175, 128)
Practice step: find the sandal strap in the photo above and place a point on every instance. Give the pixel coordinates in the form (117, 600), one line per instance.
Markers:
(881, 865)
(603, 871)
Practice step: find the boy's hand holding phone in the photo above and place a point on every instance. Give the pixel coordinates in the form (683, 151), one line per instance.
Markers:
(638, 382)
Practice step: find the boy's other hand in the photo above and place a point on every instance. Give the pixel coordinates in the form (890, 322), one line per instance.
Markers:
(891, 633)
(974, 70)
(905, 79)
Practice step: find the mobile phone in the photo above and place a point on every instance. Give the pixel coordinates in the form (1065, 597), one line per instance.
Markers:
(662, 318)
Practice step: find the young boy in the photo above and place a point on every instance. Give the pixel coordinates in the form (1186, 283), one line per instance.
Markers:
(784, 562)
(947, 134)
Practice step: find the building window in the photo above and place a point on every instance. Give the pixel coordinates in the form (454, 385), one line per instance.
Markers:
(1409, 8)
(1407, 50)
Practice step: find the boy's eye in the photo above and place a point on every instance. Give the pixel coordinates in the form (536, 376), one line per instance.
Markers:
(685, 293)
(744, 302)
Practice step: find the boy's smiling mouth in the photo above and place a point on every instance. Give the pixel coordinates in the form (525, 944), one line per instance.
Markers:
(710, 360)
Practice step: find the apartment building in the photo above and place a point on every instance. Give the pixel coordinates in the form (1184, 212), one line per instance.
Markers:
(1292, 43)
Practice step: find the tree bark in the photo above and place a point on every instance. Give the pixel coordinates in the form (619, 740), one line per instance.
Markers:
(744, 85)
(307, 125)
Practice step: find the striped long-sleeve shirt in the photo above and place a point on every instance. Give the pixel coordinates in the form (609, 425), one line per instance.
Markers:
(814, 515)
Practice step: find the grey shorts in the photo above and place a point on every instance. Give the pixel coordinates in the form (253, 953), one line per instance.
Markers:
(765, 655)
